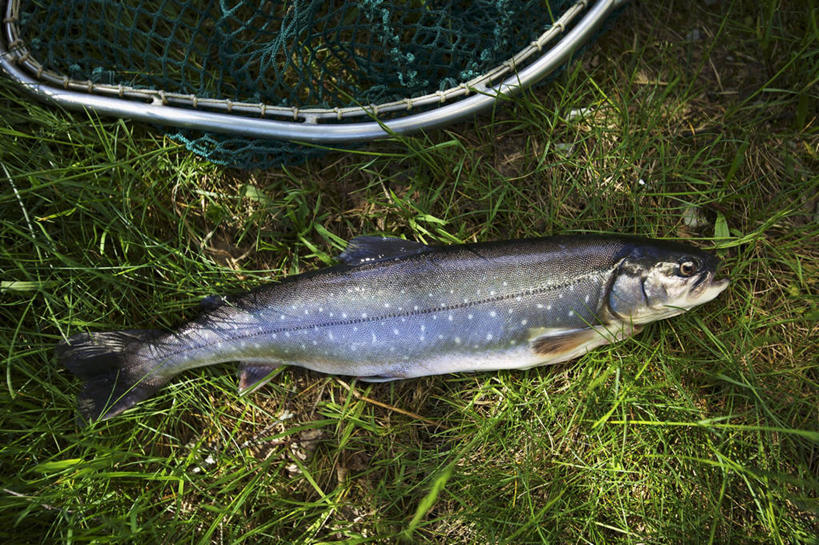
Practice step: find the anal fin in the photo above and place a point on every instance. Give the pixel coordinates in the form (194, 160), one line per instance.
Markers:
(253, 376)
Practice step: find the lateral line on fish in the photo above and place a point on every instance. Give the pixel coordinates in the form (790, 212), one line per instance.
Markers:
(633, 282)
(266, 331)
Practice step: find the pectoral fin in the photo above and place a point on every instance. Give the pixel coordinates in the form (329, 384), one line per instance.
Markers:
(552, 344)
(559, 345)
(253, 376)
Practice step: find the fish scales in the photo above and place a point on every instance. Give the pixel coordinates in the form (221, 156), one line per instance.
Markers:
(386, 318)
(397, 309)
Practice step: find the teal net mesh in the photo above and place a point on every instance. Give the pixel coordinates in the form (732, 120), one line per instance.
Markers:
(301, 53)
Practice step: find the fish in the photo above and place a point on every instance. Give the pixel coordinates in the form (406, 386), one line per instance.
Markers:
(397, 309)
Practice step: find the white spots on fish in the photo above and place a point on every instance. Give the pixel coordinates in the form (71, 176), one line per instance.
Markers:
(287, 334)
(513, 342)
(560, 296)
(571, 313)
(421, 338)
(403, 320)
(355, 328)
(457, 340)
(314, 343)
(510, 311)
(571, 288)
(493, 314)
(586, 299)
(403, 291)
(331, 315)
(440, 336)
(449, 317)
(518, 298)
(395, 331)
(488, 336)
(524, 322)
(423, 327)
(415, 307)
(539, 305)
(273, 335)
(392, 349)
(451, 292)
(306, 312)
(374, 339)
(321, 309)
(386, 305)
(281, 317)
(343, 314)
(434, 317)
(549, 307)
(303, 346)
(330, 336)
(491, 292)
(469, 317)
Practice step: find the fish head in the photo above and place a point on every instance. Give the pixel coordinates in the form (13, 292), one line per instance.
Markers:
(655, 281)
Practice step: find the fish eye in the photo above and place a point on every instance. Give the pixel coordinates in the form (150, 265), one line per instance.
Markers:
(688, 267)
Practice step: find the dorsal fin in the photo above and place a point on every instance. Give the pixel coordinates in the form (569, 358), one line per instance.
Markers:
(366, 250)
(211, 302)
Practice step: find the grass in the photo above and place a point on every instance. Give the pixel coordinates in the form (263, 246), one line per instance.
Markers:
(703, 428)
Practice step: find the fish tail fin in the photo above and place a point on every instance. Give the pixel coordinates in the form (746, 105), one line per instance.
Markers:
(115, 376)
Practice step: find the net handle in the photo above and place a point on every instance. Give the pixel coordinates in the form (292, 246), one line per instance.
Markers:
(297, 113)
(309, 131)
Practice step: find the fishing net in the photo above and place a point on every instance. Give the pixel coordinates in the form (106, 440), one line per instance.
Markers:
(276, 59)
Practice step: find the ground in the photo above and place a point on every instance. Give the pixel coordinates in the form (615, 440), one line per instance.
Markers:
(698, 122)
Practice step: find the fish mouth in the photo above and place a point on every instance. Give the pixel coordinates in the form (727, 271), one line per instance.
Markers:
(705, 288)
(700, 279)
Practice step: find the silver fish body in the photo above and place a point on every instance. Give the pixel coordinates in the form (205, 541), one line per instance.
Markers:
(397, 309)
